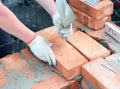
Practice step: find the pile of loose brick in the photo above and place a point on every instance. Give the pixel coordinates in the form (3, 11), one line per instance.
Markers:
(88, 60)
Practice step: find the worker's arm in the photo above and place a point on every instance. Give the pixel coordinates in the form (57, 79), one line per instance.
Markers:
(48, 5)
(12, 25)
(37, 44)
(51, 8)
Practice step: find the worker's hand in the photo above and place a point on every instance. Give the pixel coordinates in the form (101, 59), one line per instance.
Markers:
(41, 48)
(65, 32)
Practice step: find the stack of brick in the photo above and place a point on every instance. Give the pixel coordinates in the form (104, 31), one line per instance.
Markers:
(93, 17)
(103, 72)
(24, 71)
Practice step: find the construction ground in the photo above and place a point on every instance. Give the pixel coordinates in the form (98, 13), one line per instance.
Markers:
(90, 59)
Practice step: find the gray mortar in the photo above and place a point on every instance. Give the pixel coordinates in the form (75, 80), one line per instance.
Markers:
(17, 80)
(113, 44)
(114, 61)
(89, 84)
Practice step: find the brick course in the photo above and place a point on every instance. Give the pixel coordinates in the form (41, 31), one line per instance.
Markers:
(101, 10)
(90, 48)
(90, 21)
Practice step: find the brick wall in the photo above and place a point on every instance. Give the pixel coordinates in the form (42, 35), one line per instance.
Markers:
(72, 58)
(92, 16)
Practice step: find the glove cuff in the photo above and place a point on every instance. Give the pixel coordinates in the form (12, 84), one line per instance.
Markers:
(56, 15)
(31, 39)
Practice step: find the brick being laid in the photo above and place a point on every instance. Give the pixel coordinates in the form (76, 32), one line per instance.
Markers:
(102, 73)
(101, 10)
(69, 60)
(90, 21)
(89, 47)
(18, 71)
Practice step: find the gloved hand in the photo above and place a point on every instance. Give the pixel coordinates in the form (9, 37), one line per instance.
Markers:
(65, 32)
(41, 48)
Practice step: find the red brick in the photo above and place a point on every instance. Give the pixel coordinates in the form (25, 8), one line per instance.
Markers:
(90, 48)
(90, 21)
(69, 60)
(16, 63)
(49, 33)
(97, 35)
(101, 74)
(17, 67)
(29, 55)
(102, 9)
(77, 24)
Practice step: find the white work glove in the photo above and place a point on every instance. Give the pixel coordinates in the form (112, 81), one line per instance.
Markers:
(65, 32)
(41, 48)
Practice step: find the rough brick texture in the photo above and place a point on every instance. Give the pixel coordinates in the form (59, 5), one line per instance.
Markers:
(90, 48)
(69, 60)
(90, 21)
(97, 35)
(102, 9)
(101, 74)
(20, 72)
(49, 33)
